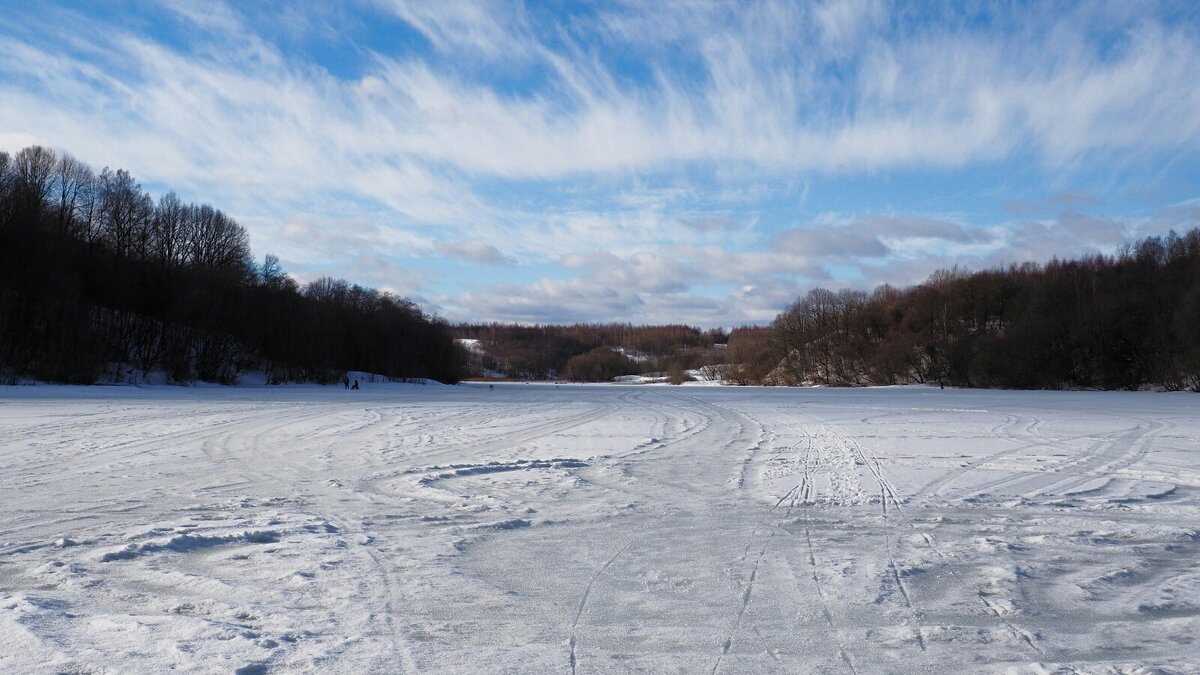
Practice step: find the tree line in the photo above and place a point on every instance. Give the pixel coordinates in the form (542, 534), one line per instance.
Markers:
(1123, 321)
(588, 352)
(98, 280)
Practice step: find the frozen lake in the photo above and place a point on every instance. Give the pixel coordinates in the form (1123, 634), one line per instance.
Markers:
(408, 528)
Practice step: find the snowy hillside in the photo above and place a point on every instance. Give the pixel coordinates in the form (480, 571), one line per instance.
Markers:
(404, 528)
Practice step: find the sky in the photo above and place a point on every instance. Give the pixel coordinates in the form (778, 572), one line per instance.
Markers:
(703, 163)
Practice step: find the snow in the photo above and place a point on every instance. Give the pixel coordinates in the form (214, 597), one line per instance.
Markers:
(696, 378)
(603, 528)
(472, 345)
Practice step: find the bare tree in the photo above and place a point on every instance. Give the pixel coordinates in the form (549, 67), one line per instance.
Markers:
(34, 171)
(6, 187)
(95, 277)
(327, 289)
(87, 224)
(170, 228)
(217, 241)
(72, 178)
(126, 213)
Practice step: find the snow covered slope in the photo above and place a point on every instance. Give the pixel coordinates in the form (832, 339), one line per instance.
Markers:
(597, 529)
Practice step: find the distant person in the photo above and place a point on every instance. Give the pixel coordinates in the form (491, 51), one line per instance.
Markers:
(346, 381)
(355, 385)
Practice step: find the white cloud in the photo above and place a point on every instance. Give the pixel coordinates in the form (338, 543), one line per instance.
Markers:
(952, 97)
(844, 21)
(709, 223)
(482, 26)
(475, 251)
(653, 134)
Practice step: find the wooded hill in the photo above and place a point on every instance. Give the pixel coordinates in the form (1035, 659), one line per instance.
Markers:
(589, 352)
(1124, 321)
(100, 281)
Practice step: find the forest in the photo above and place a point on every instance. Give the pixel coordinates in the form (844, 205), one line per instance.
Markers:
(1125, 321)
(589, 352)
(101, 282)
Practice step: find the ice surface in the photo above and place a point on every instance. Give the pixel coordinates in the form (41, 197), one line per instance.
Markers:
(530, 528)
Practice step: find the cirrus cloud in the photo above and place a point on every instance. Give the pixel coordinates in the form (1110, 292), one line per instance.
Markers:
(706, 147)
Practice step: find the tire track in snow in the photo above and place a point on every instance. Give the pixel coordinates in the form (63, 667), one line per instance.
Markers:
(889, 492)
(95, 423)
(134, 496)
(801, 495)
(509, 440)
(1001, 431)
(914, 613)
(384, 574)
(381, 573)
(673, 425)
(809, 499)
(494, 447)
(123, 449)
(1084, 466)
(748, 589)
(717, 432)
(230, 444)
(749, 442)
(667, 440)
(1138, 448)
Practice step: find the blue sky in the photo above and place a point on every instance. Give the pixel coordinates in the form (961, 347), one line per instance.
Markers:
(693, 162)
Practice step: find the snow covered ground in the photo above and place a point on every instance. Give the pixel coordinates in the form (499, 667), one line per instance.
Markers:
(597, 529)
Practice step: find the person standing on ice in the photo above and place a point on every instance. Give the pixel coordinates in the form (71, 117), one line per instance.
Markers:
(346, 381)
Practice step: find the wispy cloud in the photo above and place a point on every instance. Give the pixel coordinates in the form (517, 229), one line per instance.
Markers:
(491, 29)
(475, 251)
(687, 142)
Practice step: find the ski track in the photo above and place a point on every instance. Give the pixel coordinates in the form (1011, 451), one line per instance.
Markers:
(587, 590)
(406, 529)
(888, 492)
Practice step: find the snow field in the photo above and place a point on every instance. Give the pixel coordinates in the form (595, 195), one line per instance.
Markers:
(408, 528)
